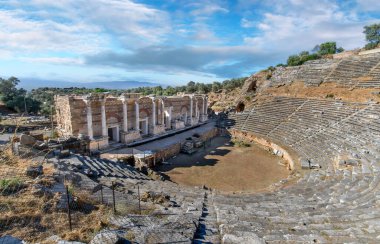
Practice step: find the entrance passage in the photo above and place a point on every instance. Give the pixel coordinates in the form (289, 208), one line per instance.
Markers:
(110, 134)
(144, 126)
(113, 134)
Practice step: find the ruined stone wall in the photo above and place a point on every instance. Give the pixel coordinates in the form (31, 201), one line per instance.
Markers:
(78, 116)
(168, 152)
(72, 112)
(181, 106)
(145, 105)
(114, 113)
(209, 134)
(63, 115)
(175, 149)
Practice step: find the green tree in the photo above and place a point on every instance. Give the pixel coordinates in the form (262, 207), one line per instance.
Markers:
(293, 60)
(191, 88)
(327, 48)
(8, 89)
(216, 86)
(169, 91)
(372, 35)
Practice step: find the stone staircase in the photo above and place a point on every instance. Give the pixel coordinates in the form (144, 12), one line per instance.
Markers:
(98, 167)
(208, 229)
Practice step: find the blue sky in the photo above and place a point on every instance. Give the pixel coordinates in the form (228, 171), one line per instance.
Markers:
(169, 42)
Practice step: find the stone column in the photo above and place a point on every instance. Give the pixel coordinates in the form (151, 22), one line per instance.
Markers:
(206, 105)
(104, 120)
(203, 105)
(90, 132)
(137, 109)
(125, 114)
(154, 112)
(170, 117)
(163, 113)
(191, 110)
(196, 109)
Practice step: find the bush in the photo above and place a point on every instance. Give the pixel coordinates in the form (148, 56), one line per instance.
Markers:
(238, 143)
(370, 46)
(330, 96)
(372, 35)
(10, 186)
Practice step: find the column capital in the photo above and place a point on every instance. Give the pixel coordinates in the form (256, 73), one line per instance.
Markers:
(87, 99)
(123, 99)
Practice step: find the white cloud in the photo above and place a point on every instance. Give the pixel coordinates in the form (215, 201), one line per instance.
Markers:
(20, 34)
(297, 25)
(54, 60)
(207, 9)
(245, 23)
(79, 26)
(369, 5)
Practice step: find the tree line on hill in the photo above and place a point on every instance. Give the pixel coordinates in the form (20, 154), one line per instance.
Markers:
(372, 34)
(41, 100)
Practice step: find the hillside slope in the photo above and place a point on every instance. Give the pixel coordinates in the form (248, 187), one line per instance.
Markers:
(353, 77)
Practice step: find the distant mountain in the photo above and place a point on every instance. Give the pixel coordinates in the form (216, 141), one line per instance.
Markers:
(30, 84)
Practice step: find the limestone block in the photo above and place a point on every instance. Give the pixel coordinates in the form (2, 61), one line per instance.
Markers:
(158, 129)
(10, 240)
(107, 237)
(203, 118)
(178, 124)
(27, 140)
(130, 136)
(34, 171)
(194, 121)
(99, 143)
(243, 237)
(305, 163)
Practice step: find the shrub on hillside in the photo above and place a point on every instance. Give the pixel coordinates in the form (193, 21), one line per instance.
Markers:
(372, 35)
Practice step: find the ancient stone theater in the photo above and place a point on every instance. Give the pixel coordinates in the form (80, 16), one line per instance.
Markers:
(106, 119)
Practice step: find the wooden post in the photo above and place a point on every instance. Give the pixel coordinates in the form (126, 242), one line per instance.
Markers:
(52, 123)
(101, 194)
(113, 197)
(68, 207)
(138, 193)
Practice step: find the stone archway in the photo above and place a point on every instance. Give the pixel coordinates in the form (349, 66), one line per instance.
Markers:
(144, 122)
(240, 107)
(184, 113)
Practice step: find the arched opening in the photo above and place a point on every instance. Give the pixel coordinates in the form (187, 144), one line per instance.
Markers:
(240, 107)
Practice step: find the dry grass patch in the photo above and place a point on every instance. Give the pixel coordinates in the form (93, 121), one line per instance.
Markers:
(35, 217)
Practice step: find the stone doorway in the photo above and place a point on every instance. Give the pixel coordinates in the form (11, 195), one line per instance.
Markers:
(113, 134)
(144, 126)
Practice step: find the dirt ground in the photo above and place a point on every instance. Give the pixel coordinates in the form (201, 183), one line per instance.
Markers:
(227, 168)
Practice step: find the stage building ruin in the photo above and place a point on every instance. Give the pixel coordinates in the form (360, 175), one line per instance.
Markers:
(106, 119)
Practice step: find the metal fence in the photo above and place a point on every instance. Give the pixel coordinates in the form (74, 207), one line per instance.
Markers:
(40, 203)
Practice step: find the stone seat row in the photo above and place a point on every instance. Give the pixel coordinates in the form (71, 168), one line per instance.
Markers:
(335, 203)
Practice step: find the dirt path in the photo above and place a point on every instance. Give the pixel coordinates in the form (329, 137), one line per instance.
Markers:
(227, 168)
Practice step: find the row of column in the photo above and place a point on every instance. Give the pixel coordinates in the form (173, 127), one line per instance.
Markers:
(204, 106)
(137, 110)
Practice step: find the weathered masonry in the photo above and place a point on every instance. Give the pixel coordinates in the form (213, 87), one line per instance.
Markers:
(105, 119)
